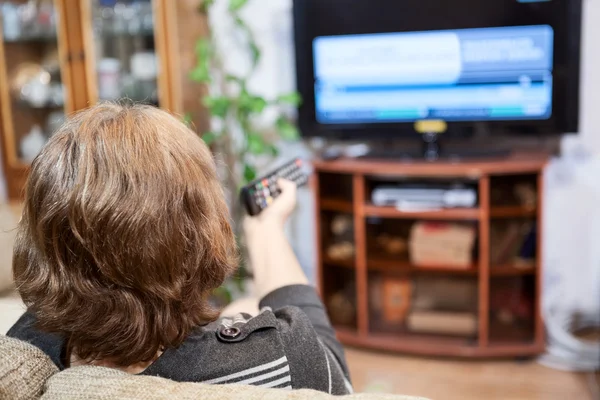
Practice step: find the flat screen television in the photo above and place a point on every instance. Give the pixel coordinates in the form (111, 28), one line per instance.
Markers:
(370, 69)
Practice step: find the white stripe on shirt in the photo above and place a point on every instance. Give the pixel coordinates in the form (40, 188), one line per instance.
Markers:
(277, 382)
(248, 371)
(263, 377)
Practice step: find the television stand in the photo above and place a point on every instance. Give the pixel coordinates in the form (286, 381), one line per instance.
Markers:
(432, 150)
(376, 289)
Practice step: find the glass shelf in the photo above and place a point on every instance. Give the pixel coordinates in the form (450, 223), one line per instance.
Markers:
(31, 67)
(32, 39)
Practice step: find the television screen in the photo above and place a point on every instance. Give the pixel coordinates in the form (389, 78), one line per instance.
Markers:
(459, 75)
(374, 67)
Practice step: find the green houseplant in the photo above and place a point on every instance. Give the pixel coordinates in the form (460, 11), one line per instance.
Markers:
(234, 110)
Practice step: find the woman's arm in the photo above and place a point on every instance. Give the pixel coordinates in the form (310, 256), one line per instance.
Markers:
(273, 261)
(280, 283)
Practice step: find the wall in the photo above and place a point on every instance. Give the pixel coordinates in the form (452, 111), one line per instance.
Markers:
(590, 77)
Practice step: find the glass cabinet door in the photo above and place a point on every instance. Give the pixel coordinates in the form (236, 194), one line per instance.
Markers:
(33, 98)
(126, 65)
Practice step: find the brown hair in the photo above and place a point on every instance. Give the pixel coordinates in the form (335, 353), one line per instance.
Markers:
(124, 235)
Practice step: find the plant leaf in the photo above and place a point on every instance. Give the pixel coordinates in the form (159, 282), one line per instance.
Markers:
(200, 74)
(287, 130)
(293, 99)
(256, 143)
(273, 150)
(257, 104)
(205, 5)
(249, 173)
(187, 119)
(251, 104)
(209, 138)
(254, 53)
(235, 5)
(223, 294)
(232, 78)
(204, 48)
(218, 106)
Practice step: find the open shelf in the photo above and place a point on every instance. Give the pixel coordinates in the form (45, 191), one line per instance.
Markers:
(337, 205)
(503, 335)
(444, 214)
(344, 263)
(512, 212)
(388, 265)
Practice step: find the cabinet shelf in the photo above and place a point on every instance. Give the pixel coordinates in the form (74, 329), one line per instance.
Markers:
(511, 270)
(383, 264)
(337, 205)
(512, 212)
(444, 214)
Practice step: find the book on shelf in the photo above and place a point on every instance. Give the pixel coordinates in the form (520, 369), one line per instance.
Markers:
(443, 323)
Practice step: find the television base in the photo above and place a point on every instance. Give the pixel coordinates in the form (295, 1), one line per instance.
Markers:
(432, 150)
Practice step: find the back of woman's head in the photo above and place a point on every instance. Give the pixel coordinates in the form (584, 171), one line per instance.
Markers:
(124, 235)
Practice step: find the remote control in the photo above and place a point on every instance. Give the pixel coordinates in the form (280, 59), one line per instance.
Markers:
(259, 194)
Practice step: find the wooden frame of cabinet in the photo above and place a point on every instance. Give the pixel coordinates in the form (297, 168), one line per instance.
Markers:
(354, 200)
(78, 71)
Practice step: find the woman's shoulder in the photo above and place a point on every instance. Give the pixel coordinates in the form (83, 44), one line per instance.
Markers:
(241, 349)
(275, 349)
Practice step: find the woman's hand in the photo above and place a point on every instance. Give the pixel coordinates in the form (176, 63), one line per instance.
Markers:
(277, 213)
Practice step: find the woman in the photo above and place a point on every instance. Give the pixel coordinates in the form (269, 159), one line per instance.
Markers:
(125, 234)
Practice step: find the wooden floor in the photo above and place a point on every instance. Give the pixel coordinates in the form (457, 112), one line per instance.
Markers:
(441, 379)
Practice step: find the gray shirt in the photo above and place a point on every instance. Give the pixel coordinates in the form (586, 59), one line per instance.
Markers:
(289, 345)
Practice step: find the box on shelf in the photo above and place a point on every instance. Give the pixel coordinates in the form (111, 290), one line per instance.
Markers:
(396, 299)
(441, 244)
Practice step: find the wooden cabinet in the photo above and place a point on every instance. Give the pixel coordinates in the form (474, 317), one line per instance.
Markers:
(381, 294)
(60, 56)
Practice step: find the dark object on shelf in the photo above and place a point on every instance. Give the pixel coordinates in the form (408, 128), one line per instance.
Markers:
(508, 239)
(445, 294)
(443, 323)
(342, 240)
(510, 191)
(526, 195)
(391, 245)
(342, 310)
(342, 226)
(510, 302)
(529, 248)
